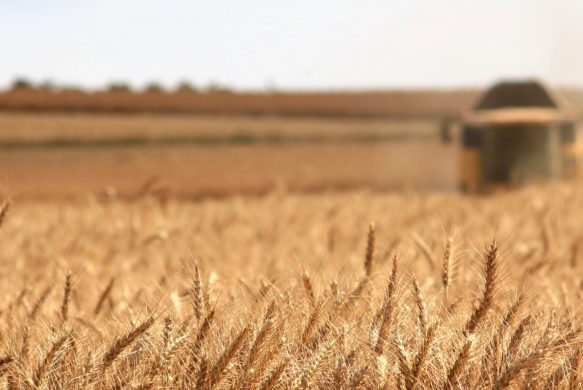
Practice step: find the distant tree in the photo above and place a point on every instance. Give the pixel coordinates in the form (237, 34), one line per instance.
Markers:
(215, 87)
(119, 86)
(70, 88)
(21, 83)
(154, 87)
(185, 86)
(47, 85)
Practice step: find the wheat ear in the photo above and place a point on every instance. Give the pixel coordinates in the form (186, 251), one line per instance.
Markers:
(66, 297)
(39, 302)
(309, 287)
(228, 355)
(123, 341)
(421, 357)
(41, 369)
(370, 247)
(387, 309)
(259, 342)
(487, 300)
(4, 211)
(275, 375)
(5, 361)
(446, 272)
(574, 378)
(457, 369)
(197, 298)
(532, 360)
(421, 310)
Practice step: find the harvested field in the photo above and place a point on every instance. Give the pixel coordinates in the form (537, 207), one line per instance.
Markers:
(293, 291)
(17, 129)
(66, 155)
(199, 171)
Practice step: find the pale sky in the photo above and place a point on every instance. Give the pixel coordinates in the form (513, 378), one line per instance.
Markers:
(299, 44)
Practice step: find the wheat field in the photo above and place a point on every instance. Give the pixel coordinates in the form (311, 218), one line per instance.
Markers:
(344, 290)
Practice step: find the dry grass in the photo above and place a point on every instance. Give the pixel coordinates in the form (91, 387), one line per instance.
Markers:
(290, 291)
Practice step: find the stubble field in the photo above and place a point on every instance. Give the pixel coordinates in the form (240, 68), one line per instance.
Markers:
(60, 156)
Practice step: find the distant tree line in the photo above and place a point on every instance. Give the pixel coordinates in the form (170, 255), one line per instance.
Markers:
(24, 84)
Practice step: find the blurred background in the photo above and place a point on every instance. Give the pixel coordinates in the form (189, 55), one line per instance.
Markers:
(195, 99)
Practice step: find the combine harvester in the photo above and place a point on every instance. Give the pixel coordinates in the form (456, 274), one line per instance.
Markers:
(518, 132)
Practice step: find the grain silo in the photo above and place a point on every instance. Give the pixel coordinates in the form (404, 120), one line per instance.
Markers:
(518, 132)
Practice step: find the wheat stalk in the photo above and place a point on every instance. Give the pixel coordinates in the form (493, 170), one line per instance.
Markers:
(40, 302)
(425, 250)
(106, 292)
